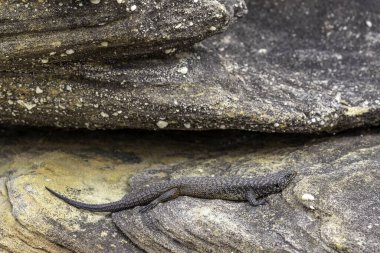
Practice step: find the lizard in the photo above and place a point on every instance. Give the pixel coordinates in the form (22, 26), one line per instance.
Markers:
(254, 190)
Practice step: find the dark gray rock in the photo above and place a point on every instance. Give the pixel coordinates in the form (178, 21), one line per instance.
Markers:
(42, 32)
(288, 66)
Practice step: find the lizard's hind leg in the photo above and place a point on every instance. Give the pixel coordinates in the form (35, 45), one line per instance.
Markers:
(168, 195)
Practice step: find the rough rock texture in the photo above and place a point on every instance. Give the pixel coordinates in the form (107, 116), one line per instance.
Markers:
(332, 206)
(288, 66)
(14, 237)
(31, 221)
(42, 32)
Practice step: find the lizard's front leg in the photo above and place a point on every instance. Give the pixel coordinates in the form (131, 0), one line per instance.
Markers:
(168, 195)
(251, 197)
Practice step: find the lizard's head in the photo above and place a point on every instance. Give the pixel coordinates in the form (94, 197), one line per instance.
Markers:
(278, 181)
(284, 178)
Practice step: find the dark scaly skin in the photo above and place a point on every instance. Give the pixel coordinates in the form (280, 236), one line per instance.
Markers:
(252, 190)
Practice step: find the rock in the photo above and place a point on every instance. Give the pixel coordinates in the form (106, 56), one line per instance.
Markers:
(33, 221)
(289, 66)
(341, 173)
(43, 32)
(14, 237)
(332, 206)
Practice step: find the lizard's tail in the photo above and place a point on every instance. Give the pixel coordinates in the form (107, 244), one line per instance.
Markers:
(109, 207)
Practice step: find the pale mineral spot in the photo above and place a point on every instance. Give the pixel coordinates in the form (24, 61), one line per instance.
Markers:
(183, 70)
(170, 50)
(162, 124)
(104, 115)
(95, 1)
(355, 111)
(68, 88)
(307, 196)
(27, 105)
(56, 43)
(117, 113)
(262, 51)
(104, 44)
(39, 90)
(69, 51)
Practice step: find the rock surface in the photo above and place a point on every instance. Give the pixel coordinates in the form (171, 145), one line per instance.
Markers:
(332, 206)
(288, 66)
(43, 32)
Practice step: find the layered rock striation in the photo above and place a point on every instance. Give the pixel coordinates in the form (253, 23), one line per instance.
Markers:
(287, 66)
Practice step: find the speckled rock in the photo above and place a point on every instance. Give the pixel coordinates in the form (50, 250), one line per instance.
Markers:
(332, 206)
(34, 222)
(43, 32)
(288, 66)
(98, 164)
(14, 237)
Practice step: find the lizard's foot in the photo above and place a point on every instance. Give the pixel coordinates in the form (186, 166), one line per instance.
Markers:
(145, 209)
(262, 202)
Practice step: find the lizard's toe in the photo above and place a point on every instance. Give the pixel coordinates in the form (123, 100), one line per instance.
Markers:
(262, 202)
(144, 209)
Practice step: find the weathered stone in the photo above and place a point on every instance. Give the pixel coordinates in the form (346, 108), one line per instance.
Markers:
(31, 221)
(289, 66)
(42, 32)
(332, 206)
(14, 237)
